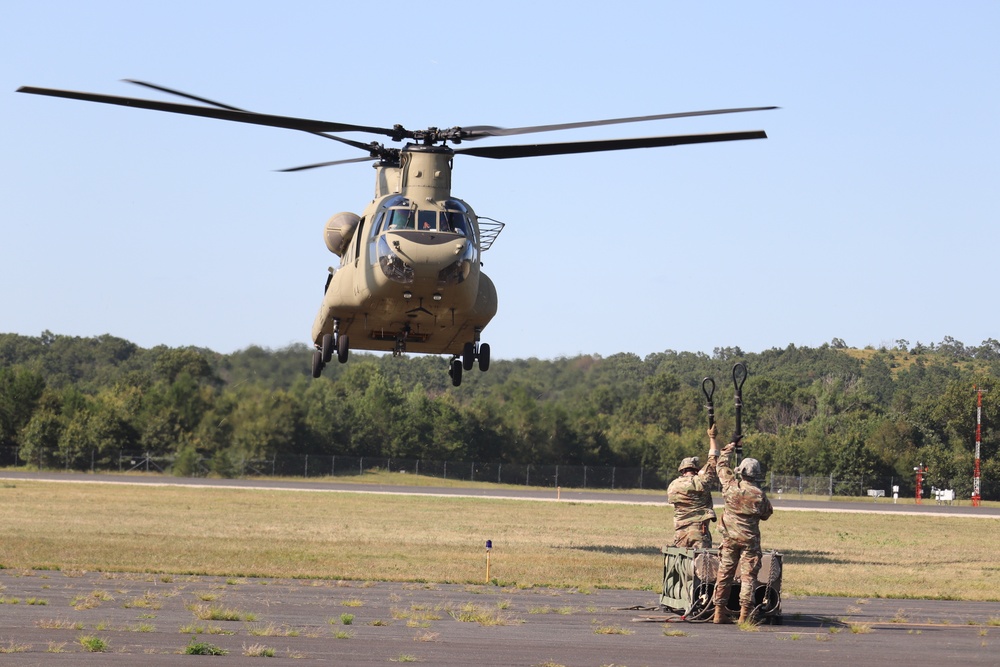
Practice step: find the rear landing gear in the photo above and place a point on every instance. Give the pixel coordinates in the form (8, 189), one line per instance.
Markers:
(329, 344)
(455, 371)
(472, 353)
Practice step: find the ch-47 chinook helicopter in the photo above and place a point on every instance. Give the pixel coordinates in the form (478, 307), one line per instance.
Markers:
(410, 275)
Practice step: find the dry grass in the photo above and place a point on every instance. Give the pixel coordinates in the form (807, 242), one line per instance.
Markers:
(241, 533)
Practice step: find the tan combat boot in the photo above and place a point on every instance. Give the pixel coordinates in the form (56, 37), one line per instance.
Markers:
(721, 614)
(745, 614)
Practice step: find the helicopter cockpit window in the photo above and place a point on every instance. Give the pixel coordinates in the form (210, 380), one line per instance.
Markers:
(427, 220)
(456, 219)
(399, 218)
(377, 223)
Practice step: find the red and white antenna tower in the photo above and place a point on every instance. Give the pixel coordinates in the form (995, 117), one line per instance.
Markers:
(976, 497)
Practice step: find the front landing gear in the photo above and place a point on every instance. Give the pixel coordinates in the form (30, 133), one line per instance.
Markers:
(330, 343)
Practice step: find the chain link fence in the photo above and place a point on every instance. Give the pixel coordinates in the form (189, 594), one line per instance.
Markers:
(568, 476)
(316, 465)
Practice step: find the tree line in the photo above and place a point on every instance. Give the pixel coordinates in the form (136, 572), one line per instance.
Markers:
(831, 410)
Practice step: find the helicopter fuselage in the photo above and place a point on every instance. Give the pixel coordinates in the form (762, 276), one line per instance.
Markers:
(410, 275)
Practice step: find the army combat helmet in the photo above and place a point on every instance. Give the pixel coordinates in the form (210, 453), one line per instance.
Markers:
(750, 469)
(690, 463)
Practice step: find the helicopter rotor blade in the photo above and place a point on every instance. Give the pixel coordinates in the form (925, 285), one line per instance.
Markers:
(205, 100)
(329, 164)
(253, 118)
(171, 91)
(537, 150)
(480, 131)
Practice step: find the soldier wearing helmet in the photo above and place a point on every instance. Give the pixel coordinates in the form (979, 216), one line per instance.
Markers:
(691, 496)
(746, 506)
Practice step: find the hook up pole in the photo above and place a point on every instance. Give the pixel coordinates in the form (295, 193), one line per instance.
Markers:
(739, 377)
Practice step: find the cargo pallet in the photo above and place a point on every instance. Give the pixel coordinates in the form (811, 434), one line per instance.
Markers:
(689, 582)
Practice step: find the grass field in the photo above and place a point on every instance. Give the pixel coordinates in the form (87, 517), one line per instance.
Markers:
(243, 532)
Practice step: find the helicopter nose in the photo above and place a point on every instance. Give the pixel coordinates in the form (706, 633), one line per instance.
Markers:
(423, 257)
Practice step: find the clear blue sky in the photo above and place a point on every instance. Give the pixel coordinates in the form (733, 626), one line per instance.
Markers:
(869, 214)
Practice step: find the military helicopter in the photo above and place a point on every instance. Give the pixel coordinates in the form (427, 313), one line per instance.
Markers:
(410, 273)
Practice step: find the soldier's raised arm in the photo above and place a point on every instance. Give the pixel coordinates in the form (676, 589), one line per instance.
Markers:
(726, 476)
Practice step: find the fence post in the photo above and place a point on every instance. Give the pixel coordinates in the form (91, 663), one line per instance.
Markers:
(557, 477)
(640, 478)
(585, 477)
(612, 478)
(361, 465)
(499, 465)
(306, 473)
(527, 475)
(831, 485)
(445, 470)
(472, 471)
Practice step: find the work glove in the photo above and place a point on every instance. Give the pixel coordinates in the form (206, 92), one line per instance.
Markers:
(728, 449)
(713, 431)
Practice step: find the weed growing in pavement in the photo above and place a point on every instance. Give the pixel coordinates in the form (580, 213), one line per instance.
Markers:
(470, 613)
(15, 648)
(258, 651)
(272, 630)
(216, 613)
(203, 648)
(93, 643)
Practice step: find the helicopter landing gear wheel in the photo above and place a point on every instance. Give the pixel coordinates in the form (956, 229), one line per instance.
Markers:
(317, 363)
(343, 348)
(484, 357)
(456, 371)
(327, 348)
(468, 356)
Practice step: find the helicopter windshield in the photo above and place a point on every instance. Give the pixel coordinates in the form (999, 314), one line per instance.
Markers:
(397, 213)
(455, 218)
(427, 220)
(399, 218)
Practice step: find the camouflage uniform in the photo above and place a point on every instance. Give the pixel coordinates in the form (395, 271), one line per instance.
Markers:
(691, 496)
(746, 506)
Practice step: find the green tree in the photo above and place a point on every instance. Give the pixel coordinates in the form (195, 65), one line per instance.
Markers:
(20, 391)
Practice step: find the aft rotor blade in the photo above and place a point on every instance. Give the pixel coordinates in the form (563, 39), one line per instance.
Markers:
(287, 122)
(537, 150)
(479, 131)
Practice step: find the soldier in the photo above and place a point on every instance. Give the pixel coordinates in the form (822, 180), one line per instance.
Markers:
(746, 506)
(691, 496)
